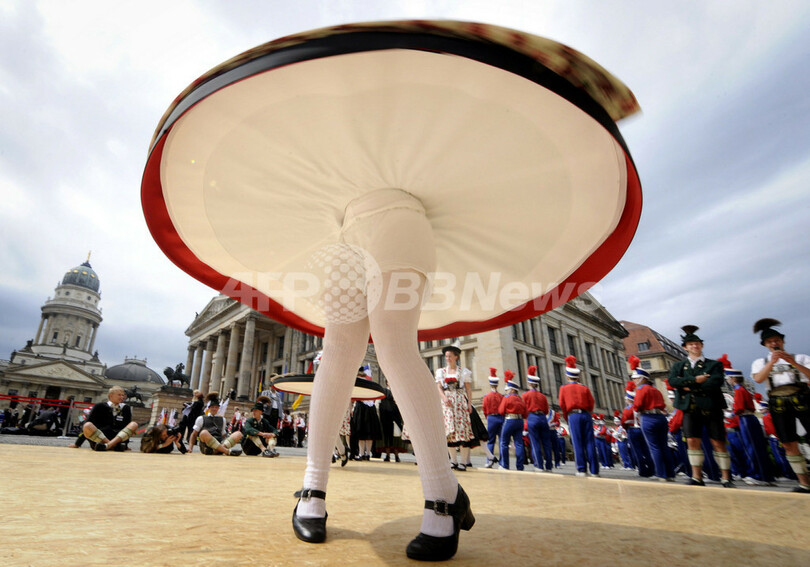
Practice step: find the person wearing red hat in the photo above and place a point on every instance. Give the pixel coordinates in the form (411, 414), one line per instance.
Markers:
(537, 422)
(788, 377)
(649, 404)
(675, 419)
(600, 434)
(621, 442)
(491, 406)
(514, 411)
(635, 438)
(698, 382)
(576, 403)
(751, 433)
(557, 440)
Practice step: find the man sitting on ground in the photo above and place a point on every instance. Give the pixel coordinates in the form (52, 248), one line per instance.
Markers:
(259, 434)
(110, 419)
(210, 428)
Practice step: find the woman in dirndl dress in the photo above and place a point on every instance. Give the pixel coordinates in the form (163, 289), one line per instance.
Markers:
(454, 385)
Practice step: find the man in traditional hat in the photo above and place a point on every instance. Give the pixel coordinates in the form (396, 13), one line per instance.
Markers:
(491, 406)
(210, 428)
(576, 403)
(260, 435)
(514, 411)
(698, 383)
(788, 376)
(537, 422)
(112, 418)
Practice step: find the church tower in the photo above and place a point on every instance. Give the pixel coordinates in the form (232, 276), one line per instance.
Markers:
(69, 323)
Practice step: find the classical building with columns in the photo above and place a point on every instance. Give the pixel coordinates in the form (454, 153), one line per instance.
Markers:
(232, 347)
(61, 362)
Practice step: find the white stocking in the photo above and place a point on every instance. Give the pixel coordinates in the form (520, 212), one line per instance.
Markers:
(394, 334)
(344, 347)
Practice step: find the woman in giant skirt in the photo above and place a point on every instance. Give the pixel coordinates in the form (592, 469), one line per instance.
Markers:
(454, 383)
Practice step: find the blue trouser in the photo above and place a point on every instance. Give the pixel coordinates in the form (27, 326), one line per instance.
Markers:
(494, 426)
(682, 463)
(780, 458)
(753, 438)
(605, 452)
(641, 453)
(555, 446)
(540, 438)
(512, 431)
(709, 464)
(739, 460)
(581, 425)
(624, 453)
(561, 442)
(655, 429)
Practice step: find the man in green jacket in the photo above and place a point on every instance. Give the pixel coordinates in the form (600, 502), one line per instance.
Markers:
(698, 383)
(260, 436)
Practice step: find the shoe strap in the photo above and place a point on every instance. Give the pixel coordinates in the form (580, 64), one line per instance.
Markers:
(307, 493)
(441, 507)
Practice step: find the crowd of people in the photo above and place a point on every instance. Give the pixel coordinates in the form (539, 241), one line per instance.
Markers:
(709, 435)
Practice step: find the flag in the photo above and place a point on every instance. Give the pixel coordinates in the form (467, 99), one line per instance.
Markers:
(172, 418)
(367, 370)
(298, 401)
(162, 417)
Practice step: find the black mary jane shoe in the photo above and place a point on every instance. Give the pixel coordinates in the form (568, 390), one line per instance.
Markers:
(311, 530)
(430, 548)
(344, 459)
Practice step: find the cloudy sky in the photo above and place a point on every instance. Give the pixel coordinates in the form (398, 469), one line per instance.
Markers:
(722, 147)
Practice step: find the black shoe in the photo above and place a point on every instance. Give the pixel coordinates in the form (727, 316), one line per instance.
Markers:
(728, 484)
(344, 459)
(695, 482)
(801, 489)
(234, 452)
(454, 466)
(268, 453)
(490, 463)
(311, 530)
(430, 548)
(100, 447)
(387, 458)
(334, 458)
(469, 465)
(396, 457)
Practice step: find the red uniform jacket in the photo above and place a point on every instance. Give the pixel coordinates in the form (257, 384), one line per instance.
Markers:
(743, 400)
(535, 401)
(767, 423)
(732, 421)
(575, 396)
(648, 398)
(492, 402)
(629, 418)
(676, 422)
(513, 404)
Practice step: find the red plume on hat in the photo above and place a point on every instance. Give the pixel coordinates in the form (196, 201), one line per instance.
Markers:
(493, 372)
(617, 413)
(508, 374)
(532, 370)
(758, 397)
(726, 362)
(668, 385)
(633, 361)
(571, 361)
(630, 387)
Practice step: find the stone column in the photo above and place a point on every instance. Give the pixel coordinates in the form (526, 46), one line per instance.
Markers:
(247, 358)
(205, 377)
(216, 371)
(39, 329)
(93, 338)
(233, 354)
(197, 367)
(189, 361)
(48, 326)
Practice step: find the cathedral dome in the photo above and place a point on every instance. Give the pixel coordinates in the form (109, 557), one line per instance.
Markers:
(82, 276)
(134, 370)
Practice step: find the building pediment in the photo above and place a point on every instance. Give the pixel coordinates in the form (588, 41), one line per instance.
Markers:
(56, 369)
(212, 311)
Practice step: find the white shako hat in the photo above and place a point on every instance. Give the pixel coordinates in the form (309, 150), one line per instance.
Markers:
(637, 371)
(508, 375)
(493, 377)
(290, 133)
(532, 376)
(571, 370)
(727, 369)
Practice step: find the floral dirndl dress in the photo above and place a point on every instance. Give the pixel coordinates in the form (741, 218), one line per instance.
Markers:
(457, 425)
(346, 424)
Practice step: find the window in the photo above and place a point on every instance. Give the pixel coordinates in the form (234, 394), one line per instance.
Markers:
(593, 361)
(595, 387)
(646, 364)
(552, 340)
(429, 362)
(78, 340)
(643, 347)
(32, 394)
(557, 375)
(67, 293)
(529, 331)
(280, 347)
(88, 400)
(53, 338)
(515, 334)
(572, 345)
(12, 391)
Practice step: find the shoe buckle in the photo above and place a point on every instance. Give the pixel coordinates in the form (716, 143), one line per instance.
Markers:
(441, 507)
(305, 493)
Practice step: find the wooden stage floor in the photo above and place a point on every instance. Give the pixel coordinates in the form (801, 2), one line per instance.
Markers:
(64, 507)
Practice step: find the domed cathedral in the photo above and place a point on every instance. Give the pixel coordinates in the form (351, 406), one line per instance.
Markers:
(61, 362)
